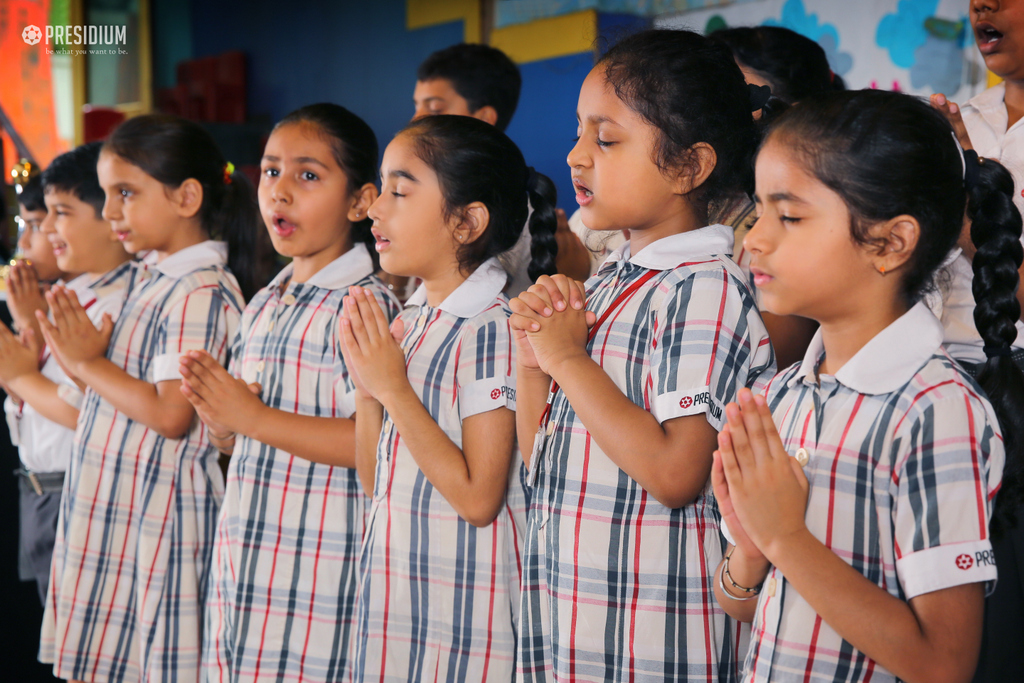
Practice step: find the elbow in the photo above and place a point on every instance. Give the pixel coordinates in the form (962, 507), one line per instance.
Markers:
(174, 426)
(482, 514)
(673, 494)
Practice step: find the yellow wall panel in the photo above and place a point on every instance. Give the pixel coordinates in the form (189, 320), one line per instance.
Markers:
(568, 34)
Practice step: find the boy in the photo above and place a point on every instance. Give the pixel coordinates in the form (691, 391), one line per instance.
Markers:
(43, 407)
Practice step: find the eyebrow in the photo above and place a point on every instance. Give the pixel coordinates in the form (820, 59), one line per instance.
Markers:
(399, 173)
(300, 160)
(598, 120)
(781, 197)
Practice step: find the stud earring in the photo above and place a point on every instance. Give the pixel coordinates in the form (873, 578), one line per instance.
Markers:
(882, 270)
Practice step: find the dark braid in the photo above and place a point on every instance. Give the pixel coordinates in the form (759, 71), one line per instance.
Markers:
(996, 232)
(543, 246)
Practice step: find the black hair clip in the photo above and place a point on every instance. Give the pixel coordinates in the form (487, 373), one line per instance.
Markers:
(759, 96)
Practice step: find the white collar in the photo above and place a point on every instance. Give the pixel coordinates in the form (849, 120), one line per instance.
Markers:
(77, 284)
(190, 259)
(473, 296)
(669, 252)
(348, 269)
(889, 360)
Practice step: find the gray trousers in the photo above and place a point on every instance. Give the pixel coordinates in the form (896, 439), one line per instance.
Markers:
(37, 525)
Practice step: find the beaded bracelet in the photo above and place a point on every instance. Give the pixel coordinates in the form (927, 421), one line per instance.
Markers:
(753, 592)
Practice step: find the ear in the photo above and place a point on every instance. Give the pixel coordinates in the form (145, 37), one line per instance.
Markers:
(475, 219)
(896, 239)
(487, 114)
(188, 198)
(699, 165)
(361, 200)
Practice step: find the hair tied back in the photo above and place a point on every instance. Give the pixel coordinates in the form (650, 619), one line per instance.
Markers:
(759, 96)
(972, 168)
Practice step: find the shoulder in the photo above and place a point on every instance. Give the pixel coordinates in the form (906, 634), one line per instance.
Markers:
(214, 281)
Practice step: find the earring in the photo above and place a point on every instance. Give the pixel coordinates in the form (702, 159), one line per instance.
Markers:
(460, 238)
(882, 270)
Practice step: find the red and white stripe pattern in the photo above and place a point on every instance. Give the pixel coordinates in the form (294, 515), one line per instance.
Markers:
(437, 595)
(905, 460)
(137, 519)
(285, 566)
(616, 586)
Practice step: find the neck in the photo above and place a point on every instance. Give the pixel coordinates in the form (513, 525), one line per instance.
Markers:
(109, 263)
(182, 236)
(441, 287)
(305, 267)
(1014, 101)
(845, 335)
(687, 218)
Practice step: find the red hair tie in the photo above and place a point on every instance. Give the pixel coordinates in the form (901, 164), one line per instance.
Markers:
(229, 169)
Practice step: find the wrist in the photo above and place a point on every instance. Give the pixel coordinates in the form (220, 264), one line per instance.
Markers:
(391, 396)
(786, 545)
(562, 362)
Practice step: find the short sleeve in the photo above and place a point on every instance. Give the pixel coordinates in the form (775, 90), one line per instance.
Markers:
(202, 320)
(949, 463)
(709, 343)
(485, 375)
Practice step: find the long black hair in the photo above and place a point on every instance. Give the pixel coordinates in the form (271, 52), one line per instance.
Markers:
(172, 150)
(887, 155)
(354, 147)
(476, 162)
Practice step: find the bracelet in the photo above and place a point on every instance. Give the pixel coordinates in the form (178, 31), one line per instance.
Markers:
(753, 592)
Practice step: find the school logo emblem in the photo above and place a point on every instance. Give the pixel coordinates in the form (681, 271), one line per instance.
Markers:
(495, 393)
(685, 402)
(32, 35)
(964, 561)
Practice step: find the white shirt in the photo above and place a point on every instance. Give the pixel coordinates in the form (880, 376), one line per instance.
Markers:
(43, 445)
(985, 117)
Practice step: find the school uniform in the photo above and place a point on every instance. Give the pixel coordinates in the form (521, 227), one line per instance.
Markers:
(905, 458)
(44, 447)
(616, 586)
(437, 595)
(137, 521)
(285, 564)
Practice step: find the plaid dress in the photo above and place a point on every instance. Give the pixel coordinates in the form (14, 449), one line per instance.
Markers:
(437, 595)
(139, 510)
(616, 586)
(285, 565)
(905, 460)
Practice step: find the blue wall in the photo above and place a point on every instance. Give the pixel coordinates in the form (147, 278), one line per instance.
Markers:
(360, 55)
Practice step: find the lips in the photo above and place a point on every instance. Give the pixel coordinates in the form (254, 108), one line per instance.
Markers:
(761, 278)
(59, 248)
(987, 36)
(584, 195)
(123, 235)
(282, 226)
(381, 243)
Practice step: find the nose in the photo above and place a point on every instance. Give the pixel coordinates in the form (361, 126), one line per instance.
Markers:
(25, 239)
(418, 113)
(983, 5)
(281, 190)
(577, 157)
(373, 212)
(48, 224)
(756, 241)
(111, 208)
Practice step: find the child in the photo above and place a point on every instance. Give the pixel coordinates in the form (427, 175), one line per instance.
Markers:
(623, 532)
(43, 419)
(283, 582)
(133, 546)
(41, 472)
(876, 572)
(435, 429)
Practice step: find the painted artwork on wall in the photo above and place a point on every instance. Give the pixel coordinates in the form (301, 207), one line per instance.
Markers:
(916, 46)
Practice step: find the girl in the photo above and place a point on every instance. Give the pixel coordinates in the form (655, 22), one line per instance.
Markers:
(870, 562)
(435, 432)
(623, 532)
(143, 489)
(283, 580)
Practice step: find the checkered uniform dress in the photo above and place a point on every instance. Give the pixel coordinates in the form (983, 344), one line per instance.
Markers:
(616, 586)
(285, 565)
(139, 510)
(905, 459)
(438, 595)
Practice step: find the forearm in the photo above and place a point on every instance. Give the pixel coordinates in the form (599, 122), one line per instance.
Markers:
(747, 573)
(326, 440)
(369, 422)
(532, 388)
(42, 394)
(631, 437)
(473, 495)
(884, 627)
(137, 399)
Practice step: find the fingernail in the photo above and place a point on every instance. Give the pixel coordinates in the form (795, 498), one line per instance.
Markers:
(759, 400)
(547, 311)
(577, 305)
(534, 327)
(560, 306)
